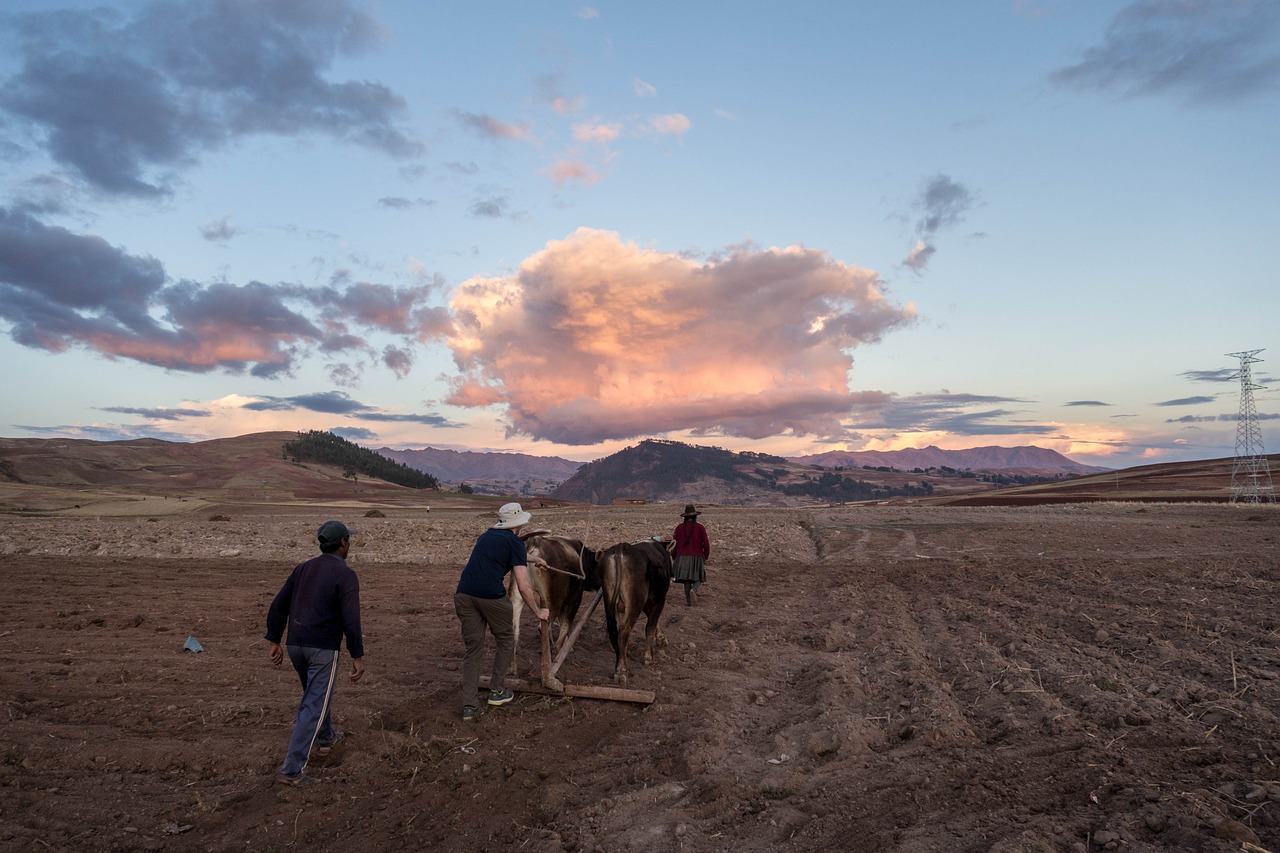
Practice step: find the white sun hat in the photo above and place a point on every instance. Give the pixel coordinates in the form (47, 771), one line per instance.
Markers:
(511, 515)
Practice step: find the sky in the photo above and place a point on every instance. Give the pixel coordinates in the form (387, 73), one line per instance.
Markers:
(559, 229)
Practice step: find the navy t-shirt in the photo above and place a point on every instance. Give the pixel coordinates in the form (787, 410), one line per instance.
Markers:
(496, 552)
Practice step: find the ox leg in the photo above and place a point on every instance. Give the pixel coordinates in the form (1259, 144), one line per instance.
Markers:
(578, 624)
(549, 681)
(561, 626)
(654, 638)
(624, 637)
(517, 607)
(620, 663)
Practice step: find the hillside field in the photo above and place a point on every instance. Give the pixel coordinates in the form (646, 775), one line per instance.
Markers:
(1064, 678)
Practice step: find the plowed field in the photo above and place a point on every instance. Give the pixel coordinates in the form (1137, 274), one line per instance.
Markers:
(1073, 678)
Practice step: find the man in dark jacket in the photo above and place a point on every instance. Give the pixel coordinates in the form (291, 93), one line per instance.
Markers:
(320, 603)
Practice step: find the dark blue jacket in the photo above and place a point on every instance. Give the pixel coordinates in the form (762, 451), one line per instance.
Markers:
(320, 602)
(496, 552)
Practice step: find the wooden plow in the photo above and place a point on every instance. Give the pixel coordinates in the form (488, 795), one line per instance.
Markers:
(552, 686)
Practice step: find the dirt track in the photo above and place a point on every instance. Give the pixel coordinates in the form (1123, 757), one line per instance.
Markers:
(892, 678)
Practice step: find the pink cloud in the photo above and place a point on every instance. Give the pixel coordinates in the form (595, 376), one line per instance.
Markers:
(398, 359)
(918, 258)
(597, 132)
(673, 123)
(571, 171)
(487, 125)
(201, 348)
(65, 289)
(596, 339)
(567, 106)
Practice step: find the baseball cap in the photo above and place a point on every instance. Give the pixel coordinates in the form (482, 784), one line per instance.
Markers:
(332, 532)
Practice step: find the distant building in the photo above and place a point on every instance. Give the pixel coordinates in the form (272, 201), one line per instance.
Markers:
(628, 501)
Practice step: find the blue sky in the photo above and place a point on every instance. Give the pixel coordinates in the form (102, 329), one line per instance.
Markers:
(559, 228)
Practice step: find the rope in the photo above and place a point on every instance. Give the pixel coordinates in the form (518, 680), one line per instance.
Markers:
(543, 564)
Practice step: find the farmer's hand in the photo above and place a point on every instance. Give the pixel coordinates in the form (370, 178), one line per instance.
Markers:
(544, 614)
(357, 668)
(277, 654)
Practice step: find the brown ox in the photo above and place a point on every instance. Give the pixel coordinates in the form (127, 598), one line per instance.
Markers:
(559, 570)
(635, 579)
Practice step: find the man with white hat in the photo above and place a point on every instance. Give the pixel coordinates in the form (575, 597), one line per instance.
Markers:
(481, 602)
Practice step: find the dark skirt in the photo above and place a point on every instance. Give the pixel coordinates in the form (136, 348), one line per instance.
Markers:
(690, 570)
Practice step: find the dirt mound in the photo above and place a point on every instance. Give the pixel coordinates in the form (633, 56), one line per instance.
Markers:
(890, 679)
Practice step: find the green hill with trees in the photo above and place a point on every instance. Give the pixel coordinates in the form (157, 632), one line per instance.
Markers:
(325, 448)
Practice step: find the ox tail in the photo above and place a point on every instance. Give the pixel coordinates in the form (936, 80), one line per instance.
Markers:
(590, 572)
(610, 568)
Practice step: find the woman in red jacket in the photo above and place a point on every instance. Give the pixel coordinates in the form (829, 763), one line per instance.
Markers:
(691, 553)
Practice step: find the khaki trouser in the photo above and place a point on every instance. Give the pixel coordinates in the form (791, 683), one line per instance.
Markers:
(477, 614)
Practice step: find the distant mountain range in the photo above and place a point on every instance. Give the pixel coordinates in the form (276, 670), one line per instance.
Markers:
(521, 473)
(1021, 460)
(507, 473)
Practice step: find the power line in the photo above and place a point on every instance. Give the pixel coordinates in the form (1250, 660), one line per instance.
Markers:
(1250, 474)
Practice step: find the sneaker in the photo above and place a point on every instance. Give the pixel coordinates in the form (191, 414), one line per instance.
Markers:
(326, 748)
(501, 697)
(299, 781)
(468, 713)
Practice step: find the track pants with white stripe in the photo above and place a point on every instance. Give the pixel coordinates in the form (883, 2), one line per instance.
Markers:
(318, 671)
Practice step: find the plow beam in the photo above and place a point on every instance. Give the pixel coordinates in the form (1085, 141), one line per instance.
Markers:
(578, 691)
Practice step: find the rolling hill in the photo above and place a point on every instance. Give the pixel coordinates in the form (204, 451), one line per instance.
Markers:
(44, 474)
(1202, 480)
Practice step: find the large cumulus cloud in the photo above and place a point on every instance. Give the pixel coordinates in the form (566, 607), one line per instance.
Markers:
(596, 339)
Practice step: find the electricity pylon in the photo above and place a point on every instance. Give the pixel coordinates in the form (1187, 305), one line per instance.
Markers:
(1250, 474)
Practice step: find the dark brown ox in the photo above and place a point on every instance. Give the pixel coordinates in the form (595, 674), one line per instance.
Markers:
(559, 570)
(635, 578)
